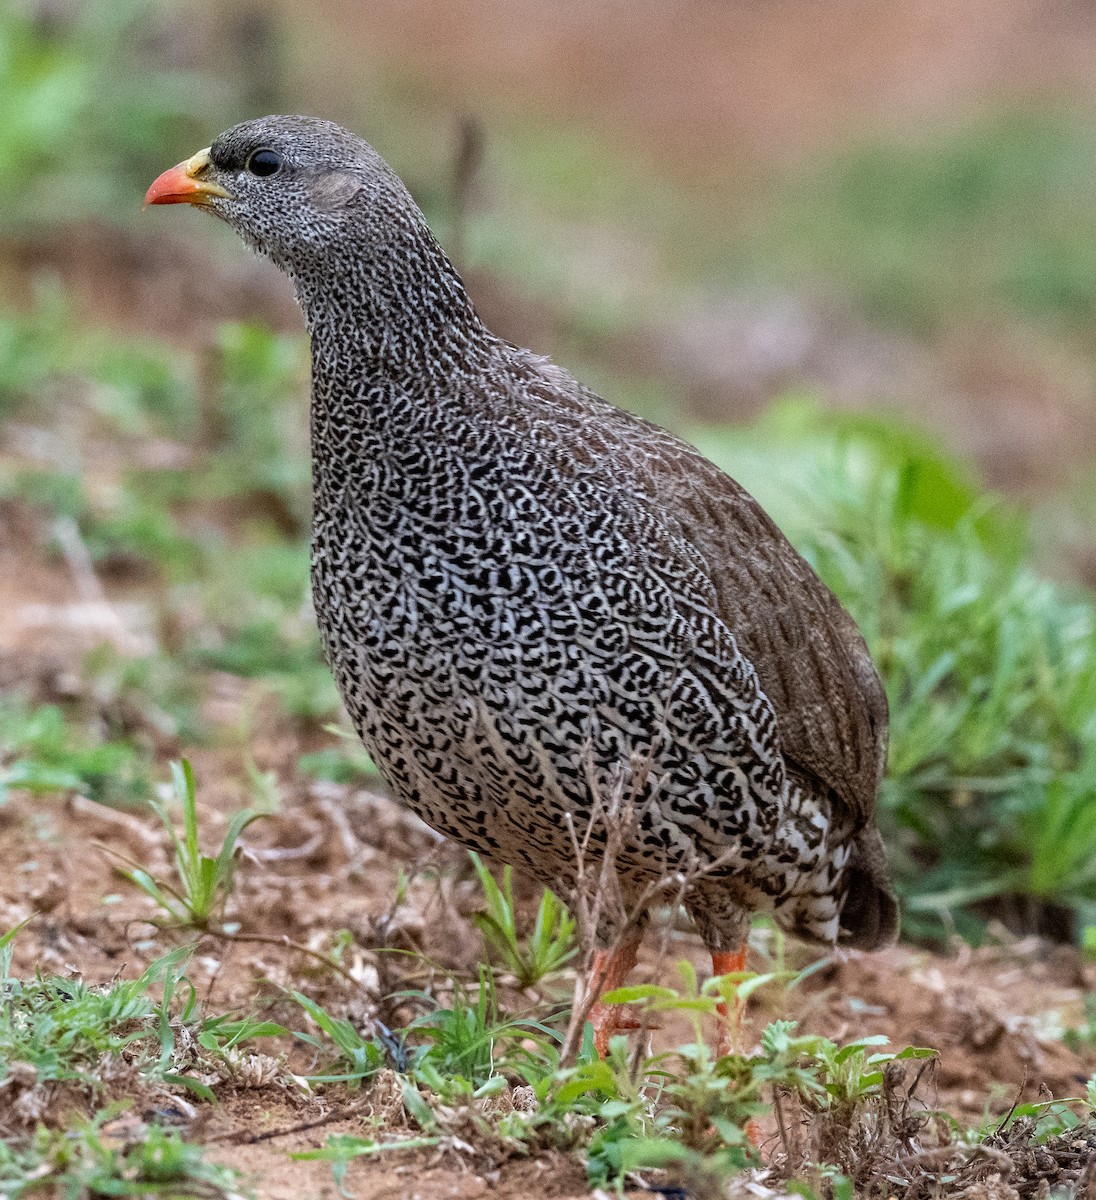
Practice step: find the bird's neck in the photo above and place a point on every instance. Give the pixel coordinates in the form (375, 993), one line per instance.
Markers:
(398, 316)
(397, 355)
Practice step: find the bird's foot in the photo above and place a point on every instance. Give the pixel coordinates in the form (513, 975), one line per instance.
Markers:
(607, 972)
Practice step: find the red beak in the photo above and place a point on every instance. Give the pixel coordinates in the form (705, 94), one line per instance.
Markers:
(183, 184)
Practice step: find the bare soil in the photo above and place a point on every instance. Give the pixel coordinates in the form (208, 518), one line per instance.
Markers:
(720, 88)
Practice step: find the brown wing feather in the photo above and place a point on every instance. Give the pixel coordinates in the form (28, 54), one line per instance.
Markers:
(810, 657)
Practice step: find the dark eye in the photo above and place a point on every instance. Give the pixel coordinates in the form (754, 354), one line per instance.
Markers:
(264, 163)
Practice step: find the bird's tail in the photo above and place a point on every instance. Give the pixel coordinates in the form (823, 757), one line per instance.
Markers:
(869, 915)
(846, 899)
(843, 894)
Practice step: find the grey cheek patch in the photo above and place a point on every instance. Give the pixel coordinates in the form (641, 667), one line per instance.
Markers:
(335, 190)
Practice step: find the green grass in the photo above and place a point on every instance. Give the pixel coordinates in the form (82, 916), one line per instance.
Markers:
(43, 751)
(547, 948)
(467, 1039)
(89, 1160)
(196, 898)
(680, 1113)
(64, 1042)
(965, 223)
(89, 105)
(131, 1033)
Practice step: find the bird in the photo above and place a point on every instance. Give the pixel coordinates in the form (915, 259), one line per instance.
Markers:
(528, 595)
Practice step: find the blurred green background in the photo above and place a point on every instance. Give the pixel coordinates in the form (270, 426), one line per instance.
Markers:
(851, 255)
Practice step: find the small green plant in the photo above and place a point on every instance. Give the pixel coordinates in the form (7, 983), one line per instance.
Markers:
(827, 1076)
(690, 1112)
(550, 944)
(1044, 1119)
(43, 750)
(358, 1056)
(468, 1039)
(56, 1030)
(203, 883)
(342, 1149)
(700, 1000)
(683, 1109)
(92, 1160)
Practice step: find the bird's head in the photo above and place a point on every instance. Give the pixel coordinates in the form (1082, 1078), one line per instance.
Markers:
(329, 211)
(295, 188)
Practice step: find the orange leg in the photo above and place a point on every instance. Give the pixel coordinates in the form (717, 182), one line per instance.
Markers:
(609, 971)
(730, 1024)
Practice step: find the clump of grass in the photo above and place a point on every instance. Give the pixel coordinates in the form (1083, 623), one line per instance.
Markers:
(43, 751)
(196, 898)
(467, 1039)
(450, 1048)
(91, 1159)
(203, 883)
(689, 1110)
(550, 944)
(128, 1035)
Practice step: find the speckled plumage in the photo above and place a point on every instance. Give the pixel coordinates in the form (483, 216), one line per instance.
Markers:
(514, 579)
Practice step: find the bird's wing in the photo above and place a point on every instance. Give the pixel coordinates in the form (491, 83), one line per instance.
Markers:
(810, 657)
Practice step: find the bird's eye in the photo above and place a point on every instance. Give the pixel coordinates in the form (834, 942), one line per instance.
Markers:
(264, 163)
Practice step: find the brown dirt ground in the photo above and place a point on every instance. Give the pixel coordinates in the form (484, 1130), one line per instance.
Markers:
(992, 1014)
(718, 88)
